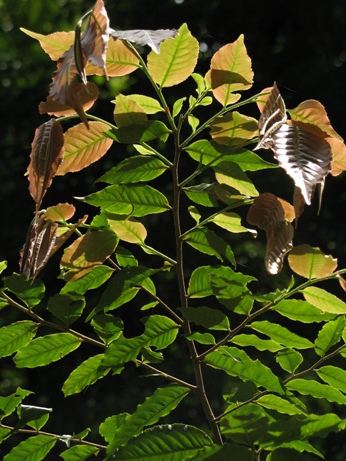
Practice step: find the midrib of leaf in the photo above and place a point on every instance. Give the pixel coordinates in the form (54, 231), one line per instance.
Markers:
(170, 64)
(80, 149)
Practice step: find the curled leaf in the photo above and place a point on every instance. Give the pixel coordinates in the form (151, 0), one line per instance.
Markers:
(45, 158)
(310, 262)
(59, 212)
(143, 37)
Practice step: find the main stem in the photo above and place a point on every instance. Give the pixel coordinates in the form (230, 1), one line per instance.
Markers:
(197, 367)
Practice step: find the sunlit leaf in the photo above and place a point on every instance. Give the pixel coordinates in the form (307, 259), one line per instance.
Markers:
(111, 425)
(260, 344)
(274, 402)
(136, 134)
(202, 194)
(54, 44)
(143, 37)
(93, 279)
(317, 390)
(9, 403)
(33, 448)
(86, 252)
(128, 230)
(107, 327)
(329, 335)
(338, 149)
(147, 103)
(31, 292)
(324, 301)
(68, 308)
(289, 359)
(202, 338)
(208, 242)
(59, 212)
(79, 453)
(311, 262)
(47, 150)
(302, 311)
(334, 376)
(128, 112)
(230, 221)
(230, 71)
(176, 60)
(233, 129)
(232, 175)
(199, 284)
(281, 334)
(46, 349)
(15, 336)
(84, 146)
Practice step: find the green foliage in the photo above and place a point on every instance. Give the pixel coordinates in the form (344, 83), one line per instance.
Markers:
(271, 371)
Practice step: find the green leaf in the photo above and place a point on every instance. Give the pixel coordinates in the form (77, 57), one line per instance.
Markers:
(111, 425)
(136, 134)
(230, 288)
(324, 301)
(33, 416)
(329, 334)
(3, 265)
(193, 122)
(227, 452)
(160, 331)
(209, 318)
(199, 80)
(86, 374)
(176, 60)
(92, 280)
(123, 350)
(202, 338)
(79, 453)
(194, 213)
(236, 362)
(161, 403)
(174, 442)
(320, 425)
(286, 454)
(107, 327)
(9, 403)
(232, 175)
(67, 308)
(46, 349)
(289, 359)
(148, 104)
(13, 337)
(202, 194)
(128, 230)
(301, 311)
(4, 433)
(177, 106)
(32, 449)
(199, 283)
(274, 402)
(31, 292)
(231, 222)
(334, 376)
(258, 343)
(317, 390)
(133, 170)
(281, 335)
(208, 242)
(125, 258)
(134, 200)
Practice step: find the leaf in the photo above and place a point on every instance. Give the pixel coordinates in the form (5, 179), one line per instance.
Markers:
(135, 200)
(323, 300)
(111, 425)
(133, 170)
(338, 149)
(329, 334)
(229, 221)
(311, 262)
(60, 212)
(208, 242)
(147, 103)
(127, 112)
(46, 349)
(79, 453)
(302, 311)
(281, 334)
(176, 60)
(33, 416)
(199, 283)
(33, 448)
(68, 308)
(233, 129)
(143, 37)
(334, 376)
(254, 341)
(274, 402)
(84, 146)
(9, 403)
(86, 252)
(3, 266)
(236, 362)
(231, 175)
(195, 214)
(29, 292)
(177, 106)
(176, 442)
(161, 403)
(212, 319)
(160, 331)
(316, 390)
(140, 133)
(90, 281)
(107, 327)
(289, 359)
(54, 44)
(86, 374)
(230, 71)
(202, 338)
(128, 230)
(13, 337)
(202, 194)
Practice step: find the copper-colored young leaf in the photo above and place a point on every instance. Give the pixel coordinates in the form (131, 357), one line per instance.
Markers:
(342, 282)
(233, 129)
(176, 60)
(142, 37)
(38, 246)
(128, 112)
(54, 44)
(59, 212)
(230, 71)
(279, 242)
(310, 262)
(298, 203)
(338, 149)
(87, 252)
(84, 97)
(45, 158)
(84, 146)
(263, 97)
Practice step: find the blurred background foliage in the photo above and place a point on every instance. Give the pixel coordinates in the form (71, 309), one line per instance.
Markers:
(300, 44)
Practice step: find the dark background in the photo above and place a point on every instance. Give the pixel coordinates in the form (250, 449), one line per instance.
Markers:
(299, 44)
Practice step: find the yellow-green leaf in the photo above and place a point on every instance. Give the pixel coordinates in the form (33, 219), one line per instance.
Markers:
(231, 222)
(128, 230)
(148, 104)
(324, 301)
(230, 71)
(231, 175)
(310, 262)
(127, 112)
(84, 146)
(54, 44)
(234, 129)
(176, 60)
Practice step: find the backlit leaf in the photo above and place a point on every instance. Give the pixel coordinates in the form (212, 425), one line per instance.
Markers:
(47, 150)
(111, 425)
(236, 362)
(274, 402)
(333, 376)
(93, 279)
(230, 71)
(176, 60)
(208, 242)
(317, 390)
(232, 175)
(323, 300)
(133, 170)
(229, 221)
(86, 252)
(212, 319)
(33, 448)
(254, 341)
(311, 262)
(128, 230)
(233, 129)
(84, 146)
(202, 194)
(302, 311)
(147, 103)
(79, 453)
(9, 403)
(15, 336)
(140, 133)
(46, 349)
(107, 327)
(59, 212)
(338, 156)
(329, 335)
(160, 331)
(199, 284)
(281, 334)
(127, 112)
(68, 308)
(54, 44)
(86, 374)
(27, 290)
(202, 338)
(289, 359)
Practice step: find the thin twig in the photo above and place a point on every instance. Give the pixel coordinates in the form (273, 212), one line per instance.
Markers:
(167, 375)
